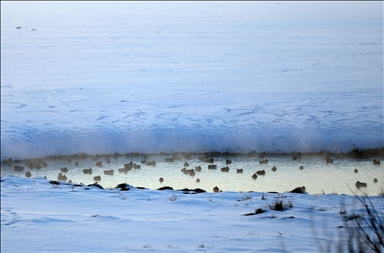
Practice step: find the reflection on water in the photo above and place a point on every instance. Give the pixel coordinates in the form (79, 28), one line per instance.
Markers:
(282, 172)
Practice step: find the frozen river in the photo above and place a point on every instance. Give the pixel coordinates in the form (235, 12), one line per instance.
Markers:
(153, 77)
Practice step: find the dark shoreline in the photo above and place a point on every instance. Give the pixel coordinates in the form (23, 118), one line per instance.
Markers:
(128, 187)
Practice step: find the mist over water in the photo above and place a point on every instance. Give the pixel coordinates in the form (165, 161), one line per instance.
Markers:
(176, 141)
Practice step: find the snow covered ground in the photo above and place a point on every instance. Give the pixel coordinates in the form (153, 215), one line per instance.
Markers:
(40, 217)
(101, 77)
(150, 77)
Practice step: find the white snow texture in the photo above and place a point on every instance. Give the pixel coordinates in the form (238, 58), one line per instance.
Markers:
(105, 77)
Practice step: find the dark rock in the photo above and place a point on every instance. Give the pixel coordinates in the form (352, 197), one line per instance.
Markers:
(165, 188)
(123, 187)
(300, 190)
(96, 185)
(257, 211)
(192, 191)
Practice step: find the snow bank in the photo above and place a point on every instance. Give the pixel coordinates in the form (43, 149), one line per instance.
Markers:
(38, 217)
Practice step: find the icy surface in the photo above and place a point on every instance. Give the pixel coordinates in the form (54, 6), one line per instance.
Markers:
(278, 77)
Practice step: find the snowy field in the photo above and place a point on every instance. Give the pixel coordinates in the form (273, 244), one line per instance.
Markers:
(151, 77)
(40, 217)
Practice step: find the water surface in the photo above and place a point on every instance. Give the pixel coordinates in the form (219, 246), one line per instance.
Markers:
(317, 176)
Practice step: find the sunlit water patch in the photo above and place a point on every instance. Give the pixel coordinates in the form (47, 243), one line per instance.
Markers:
(316, 174)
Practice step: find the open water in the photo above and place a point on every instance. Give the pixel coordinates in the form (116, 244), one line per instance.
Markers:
(316, 175)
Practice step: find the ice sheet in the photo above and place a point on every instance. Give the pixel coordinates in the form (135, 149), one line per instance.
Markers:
(148, 77)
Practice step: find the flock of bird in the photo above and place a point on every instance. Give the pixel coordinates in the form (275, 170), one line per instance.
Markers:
(40, 163)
